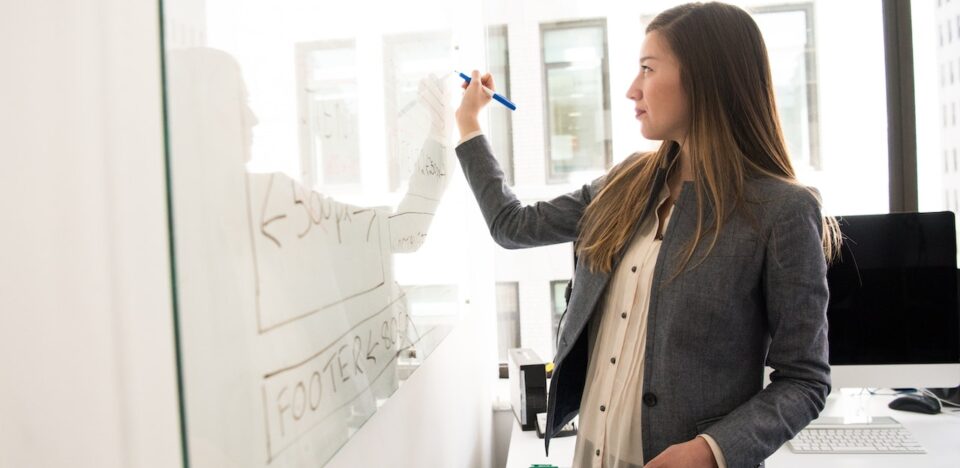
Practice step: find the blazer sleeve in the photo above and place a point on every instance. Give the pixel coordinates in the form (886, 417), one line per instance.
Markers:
(796, 295)
(513, 225)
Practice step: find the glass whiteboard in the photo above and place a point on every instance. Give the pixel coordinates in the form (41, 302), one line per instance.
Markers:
(315, 236)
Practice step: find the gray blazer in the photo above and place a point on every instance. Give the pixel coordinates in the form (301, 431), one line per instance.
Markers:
(759, 298)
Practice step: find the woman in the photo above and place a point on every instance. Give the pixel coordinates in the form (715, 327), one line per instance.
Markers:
(699, 264)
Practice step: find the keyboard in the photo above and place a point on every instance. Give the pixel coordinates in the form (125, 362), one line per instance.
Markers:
(831, 435)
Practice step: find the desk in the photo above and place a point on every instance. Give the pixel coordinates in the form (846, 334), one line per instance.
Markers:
(526, 449)
(939, 434)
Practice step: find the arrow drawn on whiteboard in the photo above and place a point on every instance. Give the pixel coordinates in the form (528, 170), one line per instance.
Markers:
(370, 349)
(263, 228)
(263, 214)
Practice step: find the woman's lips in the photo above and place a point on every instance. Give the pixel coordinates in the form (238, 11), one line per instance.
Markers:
(641, 113)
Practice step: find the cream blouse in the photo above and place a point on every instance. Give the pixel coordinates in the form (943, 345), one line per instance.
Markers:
(609, 433)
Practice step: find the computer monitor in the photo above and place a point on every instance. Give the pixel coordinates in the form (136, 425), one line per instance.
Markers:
(893, 312)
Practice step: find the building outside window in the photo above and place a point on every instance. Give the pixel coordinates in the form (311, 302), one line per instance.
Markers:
(938, 184)
(575, 81)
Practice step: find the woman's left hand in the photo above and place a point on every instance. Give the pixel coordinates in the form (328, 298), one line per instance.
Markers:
(694, 453)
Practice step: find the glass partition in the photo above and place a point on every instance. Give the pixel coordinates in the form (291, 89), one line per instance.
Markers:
(319, 252)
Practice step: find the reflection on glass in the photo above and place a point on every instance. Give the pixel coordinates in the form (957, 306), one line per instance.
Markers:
(294, 330)
(575, 82)
(293, 326)
(327, 85)
(407, 59)
(429, 309)
(508, 318)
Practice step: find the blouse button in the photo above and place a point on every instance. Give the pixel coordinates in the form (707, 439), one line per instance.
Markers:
(633, 268)
(613, 360)
(623, 315)
(603, 408)
(598, 452)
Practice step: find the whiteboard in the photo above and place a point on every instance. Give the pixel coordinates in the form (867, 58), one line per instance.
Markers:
(315, 238)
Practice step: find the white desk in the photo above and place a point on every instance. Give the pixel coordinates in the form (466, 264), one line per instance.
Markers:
(939, 434)
(526, 449)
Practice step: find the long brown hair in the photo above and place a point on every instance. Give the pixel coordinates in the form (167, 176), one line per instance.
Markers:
(734, 133)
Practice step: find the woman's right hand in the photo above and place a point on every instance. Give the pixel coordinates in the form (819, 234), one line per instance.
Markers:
(474, 99)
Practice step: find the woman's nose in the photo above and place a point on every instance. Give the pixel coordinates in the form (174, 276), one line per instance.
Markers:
(634, 92)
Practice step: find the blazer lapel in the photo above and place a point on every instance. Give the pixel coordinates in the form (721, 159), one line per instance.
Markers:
(659, 180)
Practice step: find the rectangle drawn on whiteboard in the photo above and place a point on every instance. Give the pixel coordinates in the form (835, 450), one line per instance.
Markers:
(342, 380)
(310, 252)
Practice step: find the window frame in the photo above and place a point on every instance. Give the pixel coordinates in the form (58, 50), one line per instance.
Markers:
(506, 160)
(810, 63)
(901, 106)
(551, 177)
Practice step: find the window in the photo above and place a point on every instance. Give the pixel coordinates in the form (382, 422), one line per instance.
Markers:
(558, 302)
(789, 35)
(327, 89)
(574, 57)
(501, 119)
(832, 100)
(508, 318)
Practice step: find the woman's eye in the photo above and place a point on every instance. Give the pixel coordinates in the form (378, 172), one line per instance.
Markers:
(645, 69)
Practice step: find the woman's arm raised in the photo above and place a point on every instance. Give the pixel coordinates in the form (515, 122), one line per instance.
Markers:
(513, 225)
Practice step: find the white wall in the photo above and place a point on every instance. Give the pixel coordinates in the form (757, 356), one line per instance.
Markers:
(86, 346)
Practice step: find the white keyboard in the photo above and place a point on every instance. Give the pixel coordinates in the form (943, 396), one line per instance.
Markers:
(831, 435)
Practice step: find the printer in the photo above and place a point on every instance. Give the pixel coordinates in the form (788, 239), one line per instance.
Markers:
(528, 386)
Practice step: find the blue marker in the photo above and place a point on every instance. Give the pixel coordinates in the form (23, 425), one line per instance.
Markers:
(496, 97)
